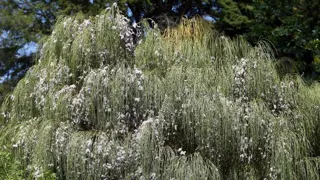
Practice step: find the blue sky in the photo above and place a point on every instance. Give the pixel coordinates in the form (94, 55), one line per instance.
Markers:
(27, 50)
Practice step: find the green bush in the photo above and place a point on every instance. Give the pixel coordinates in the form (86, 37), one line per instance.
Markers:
(9, 167)
(186, 104)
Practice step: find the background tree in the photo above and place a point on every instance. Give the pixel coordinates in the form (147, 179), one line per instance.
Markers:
(291, 26)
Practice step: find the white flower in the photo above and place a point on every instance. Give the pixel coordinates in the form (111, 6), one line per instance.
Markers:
(86, 22)
(89, 142)
(135, 25)
(137, 71)
(157, 53)
(153, 175)
(137, 99)
(37, 173)
(149, 121)
(255, 64)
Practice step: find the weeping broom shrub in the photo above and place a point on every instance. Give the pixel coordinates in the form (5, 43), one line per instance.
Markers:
(9, 168)
(186, 104)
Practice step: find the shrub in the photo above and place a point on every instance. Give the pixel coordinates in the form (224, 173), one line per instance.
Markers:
(186, 104)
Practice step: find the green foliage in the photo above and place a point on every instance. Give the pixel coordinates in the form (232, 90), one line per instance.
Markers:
(314, 46)
(291, 26)
(186, 104)
(234, 17)
(29, 21)
(9, 167)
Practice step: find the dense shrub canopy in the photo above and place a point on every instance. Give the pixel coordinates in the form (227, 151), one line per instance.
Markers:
(186, 104)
